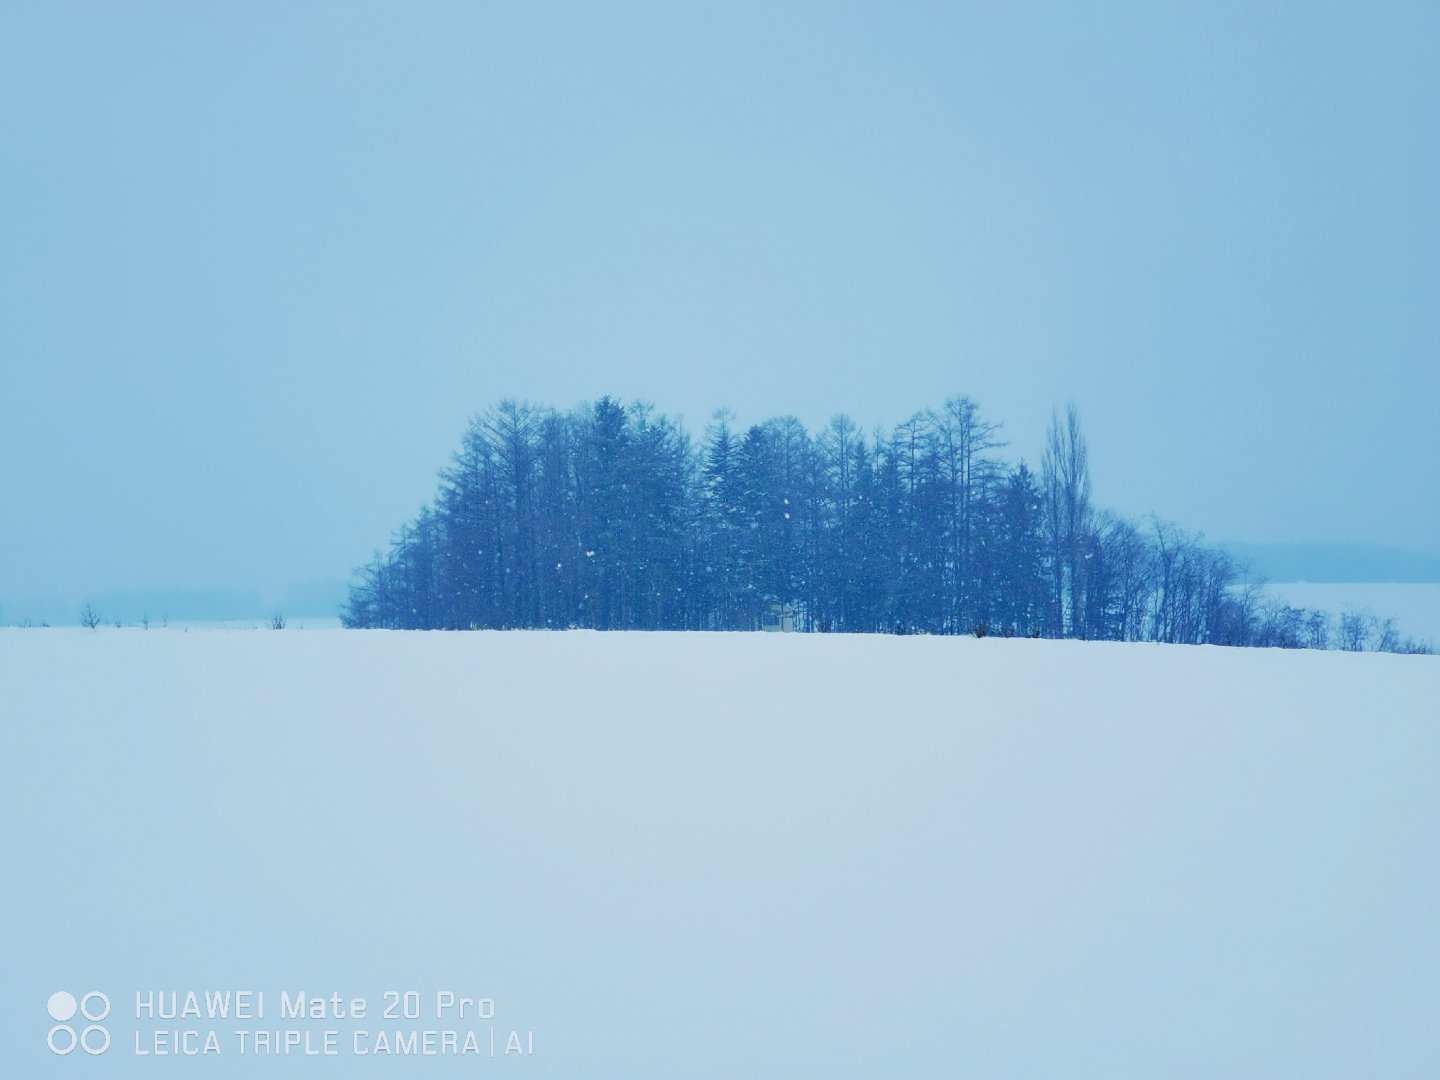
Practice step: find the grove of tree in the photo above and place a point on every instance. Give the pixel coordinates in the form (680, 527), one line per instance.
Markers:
(611, 517)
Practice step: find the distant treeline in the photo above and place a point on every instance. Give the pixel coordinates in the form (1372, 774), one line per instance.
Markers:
(611, 517)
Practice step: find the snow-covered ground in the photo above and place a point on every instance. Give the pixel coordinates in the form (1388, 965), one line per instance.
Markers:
(735, 855)
(255, 622)
(1415, 607)
(292, 622)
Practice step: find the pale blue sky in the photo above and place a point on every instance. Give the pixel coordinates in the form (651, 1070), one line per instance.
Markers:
(258, 262)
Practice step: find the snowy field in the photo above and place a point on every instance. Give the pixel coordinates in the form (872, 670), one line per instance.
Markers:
(257, 622)
(735, 855)
(1415, 607)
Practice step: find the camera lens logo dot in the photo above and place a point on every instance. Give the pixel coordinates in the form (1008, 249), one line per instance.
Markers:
(61, 1006)
(61, 1039)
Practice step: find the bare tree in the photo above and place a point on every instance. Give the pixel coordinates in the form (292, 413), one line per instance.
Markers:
(967, 473)
(89, 617)
(1065, 480)
(1354, 630)
(1387, 637)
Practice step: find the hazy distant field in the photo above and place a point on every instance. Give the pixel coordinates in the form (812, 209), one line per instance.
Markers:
(1414, 607)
